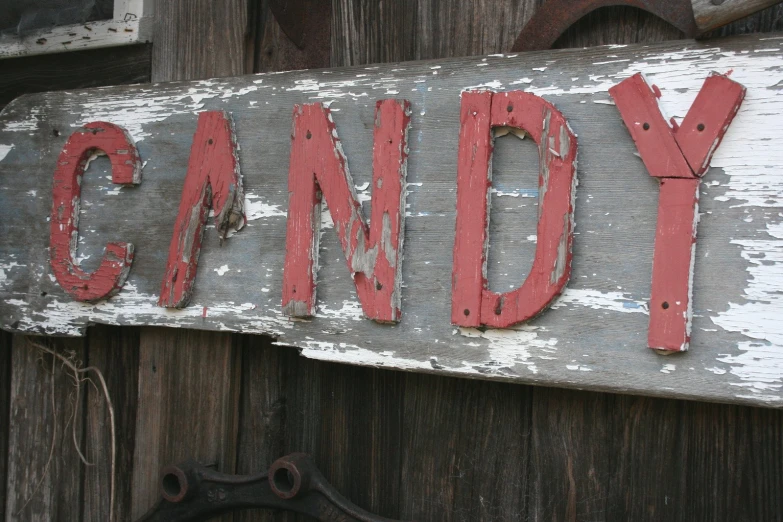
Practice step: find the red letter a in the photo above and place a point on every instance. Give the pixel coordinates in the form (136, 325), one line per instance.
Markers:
(212, 180)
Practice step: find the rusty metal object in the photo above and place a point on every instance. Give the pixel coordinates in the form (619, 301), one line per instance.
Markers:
(195, 493)
(553, 18)
(305, 22)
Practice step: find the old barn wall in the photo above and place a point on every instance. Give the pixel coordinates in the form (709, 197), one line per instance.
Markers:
(402, 445)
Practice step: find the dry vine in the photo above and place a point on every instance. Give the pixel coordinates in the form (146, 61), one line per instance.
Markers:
(79, 376)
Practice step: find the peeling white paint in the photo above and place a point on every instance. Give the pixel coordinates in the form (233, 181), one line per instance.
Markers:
(256, 208)
(28, 125)
(131, 307)
(7, 267)
(759, 364)
(512, 346)
(597, 300)
(150, 106)
(4, 150)
(351, 311)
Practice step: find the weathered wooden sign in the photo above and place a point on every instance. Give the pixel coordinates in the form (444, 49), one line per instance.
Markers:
(391, 216)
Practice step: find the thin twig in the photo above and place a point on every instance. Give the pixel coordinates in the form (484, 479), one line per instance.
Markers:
(78, 379)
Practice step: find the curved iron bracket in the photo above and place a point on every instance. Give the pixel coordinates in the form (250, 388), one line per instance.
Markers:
(195, 493)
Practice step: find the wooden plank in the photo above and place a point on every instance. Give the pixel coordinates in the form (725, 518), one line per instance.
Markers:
(45, 475)
(593, 316)
(5, 406)
(78, 69)
(605, 457)
(300, 414)
(710, 14)
(187, 406)
(189, 379)
(470, 463)
(115, 352)
(764, 21)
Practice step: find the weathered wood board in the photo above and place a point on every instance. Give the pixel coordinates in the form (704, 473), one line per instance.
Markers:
(595, 334)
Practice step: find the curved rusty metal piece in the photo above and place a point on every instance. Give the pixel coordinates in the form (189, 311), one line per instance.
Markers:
(192, 492)
(553, 18)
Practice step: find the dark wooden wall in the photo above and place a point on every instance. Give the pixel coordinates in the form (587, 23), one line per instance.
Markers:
(402, 445)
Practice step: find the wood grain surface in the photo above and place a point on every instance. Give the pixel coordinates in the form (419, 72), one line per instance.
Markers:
(478, 450)
(73, 70)
(44, 470)
(115, 352)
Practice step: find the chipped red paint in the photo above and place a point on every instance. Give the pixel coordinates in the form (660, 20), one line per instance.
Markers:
(212, 180)
(108, 279)
(318, 167)
(708, 119)
(678, 156)
(474, 178)
(557, 180)
(653, 135)
(675, 239)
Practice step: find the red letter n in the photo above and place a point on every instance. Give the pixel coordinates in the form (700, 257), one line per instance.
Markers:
(319, 168)
(108, 279)
(212, 180)
(472, 304)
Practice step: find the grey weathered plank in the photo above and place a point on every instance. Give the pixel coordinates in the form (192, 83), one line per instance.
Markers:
(45, 474)
(594, 318)
(262, 435)
(115, 352)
